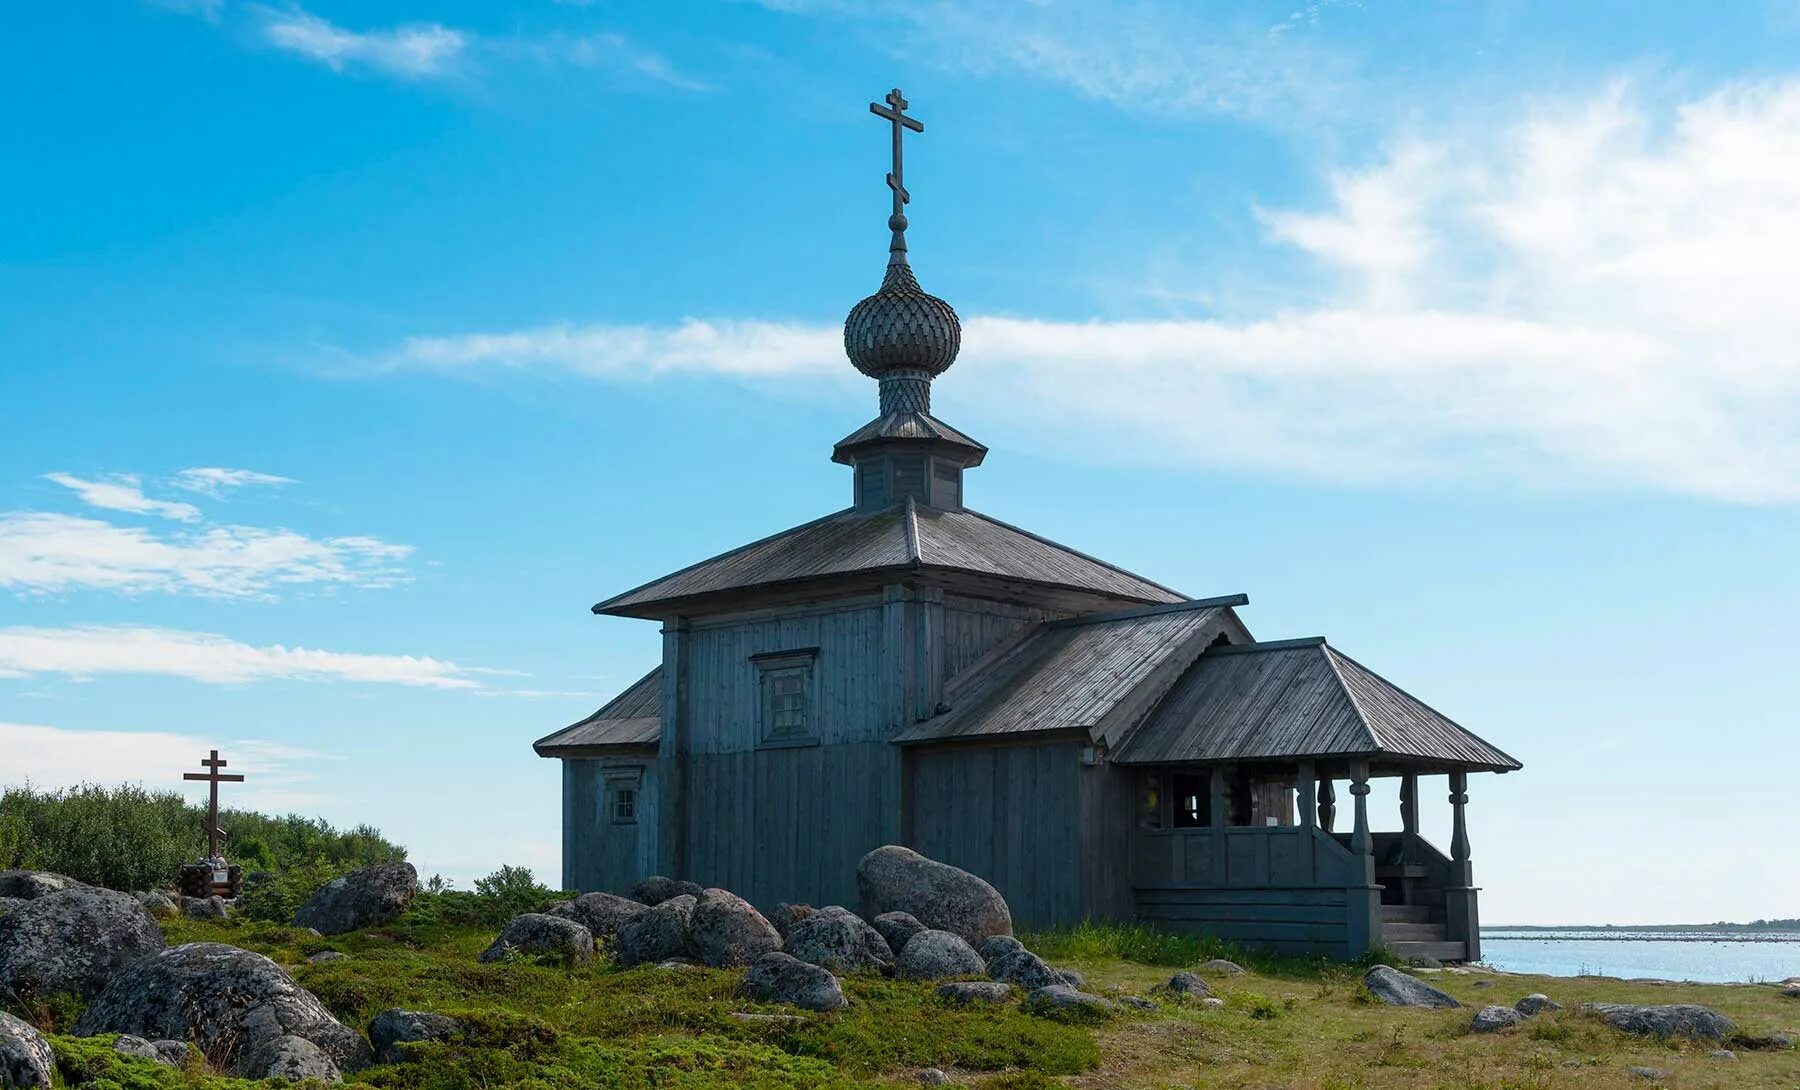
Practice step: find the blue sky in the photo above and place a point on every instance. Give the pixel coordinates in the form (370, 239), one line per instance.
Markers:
(350, 351)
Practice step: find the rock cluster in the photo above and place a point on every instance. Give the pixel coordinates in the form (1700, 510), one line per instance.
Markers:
(835, 938)
(656, 889)
(368, 897)
(600, 913)
(657, 934)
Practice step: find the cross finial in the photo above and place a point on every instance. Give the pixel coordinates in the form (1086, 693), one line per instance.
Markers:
(895, 112)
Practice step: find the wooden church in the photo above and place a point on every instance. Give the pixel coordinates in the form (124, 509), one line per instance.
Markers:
(1097, 745)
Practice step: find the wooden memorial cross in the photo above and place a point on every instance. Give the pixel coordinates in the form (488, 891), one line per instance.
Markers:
(213, 778)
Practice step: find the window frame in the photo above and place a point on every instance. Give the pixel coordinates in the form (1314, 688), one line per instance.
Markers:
(772, 667)
(622, 782)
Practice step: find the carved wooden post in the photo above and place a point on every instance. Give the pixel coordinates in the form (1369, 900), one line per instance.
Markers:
(1307, 785)
(1221, 871)
(1327, 806)
(1362, 900)
(1409, 816)
(1462, 918)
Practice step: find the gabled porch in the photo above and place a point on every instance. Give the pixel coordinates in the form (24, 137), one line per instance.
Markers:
(1238, 771)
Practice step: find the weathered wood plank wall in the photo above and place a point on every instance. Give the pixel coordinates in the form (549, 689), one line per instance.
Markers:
(598, 854)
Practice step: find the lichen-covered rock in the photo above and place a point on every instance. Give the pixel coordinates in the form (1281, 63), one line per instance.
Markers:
(656, 935)
(995, 947)
(1648, 1074)
(1221, 967)
(1025, 969)
(725, 931)
(1492, 1019)
(975, 991)
(9, 904)
(938, 955)
(1396, 989)
(782, 978)
(600, 913)
(839, 940)
(391, 1029)
(658, 888)
(942, 897)
(29, 885)
(1061, 997)
(295, 1059)
(363, 898)
(72, 942)
(896, 928)
(25, 1056)
(538, 934)
(1670, 1020)
(204, 908)
(1073, 978)
(1536, 1003)
(1137, 1003)
(229, 1002)
(787, 915)
(1191, 985)
(324, 956)
(130, 1044)
(159, 904)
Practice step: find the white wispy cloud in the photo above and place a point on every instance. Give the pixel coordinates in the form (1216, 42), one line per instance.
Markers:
(216, 481)
(87, 651)
(413, 51)
(46, 552)
(1599, 295)
(278, 777)
(123, 492)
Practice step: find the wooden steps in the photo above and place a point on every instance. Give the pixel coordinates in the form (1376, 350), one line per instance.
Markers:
(1417, 931)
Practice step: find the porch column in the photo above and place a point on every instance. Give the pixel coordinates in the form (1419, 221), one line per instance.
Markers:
(1362, 899)
(1307, 788)
(1409, 817)
(1462, 919)
(1327, 806)
(1221, 865)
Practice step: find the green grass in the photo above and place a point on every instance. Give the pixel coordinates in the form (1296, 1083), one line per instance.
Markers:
(1288, 1023)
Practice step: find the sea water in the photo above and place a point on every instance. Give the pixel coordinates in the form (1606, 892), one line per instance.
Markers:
(1664, 955)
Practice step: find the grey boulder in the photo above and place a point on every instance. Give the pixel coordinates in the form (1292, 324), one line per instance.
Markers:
(392, 1029)
(942, 897)
(1060, 998)
(1189, 984)
(937, 955)
(1492, 1019)
(896, 928)
(1672, 1020)
(368, 897)
(167, 1053)
(725, 931)
(25, 1056)
(204, 908)
(600, 913)
(159, 904)
(234, 1004)
(967, 992)
(324, 956)
(782, 978)
(656, 935)
(29, 885)
(295, 1059)
(839, 940)
(1536, 1003)
(11, 904)
(1222, 967)
(657, 888)
(538, 934)
(1025, 969)
(1396, 989)
(995, 947)
(72, 941)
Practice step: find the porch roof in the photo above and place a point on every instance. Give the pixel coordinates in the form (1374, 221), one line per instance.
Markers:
(630, 721)
(1298, 700)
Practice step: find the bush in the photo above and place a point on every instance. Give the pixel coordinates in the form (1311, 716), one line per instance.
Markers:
(128, 838)
(496, 899)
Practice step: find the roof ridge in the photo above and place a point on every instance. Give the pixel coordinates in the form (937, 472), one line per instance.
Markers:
(1334, 654)
(1350, 694)
(1075, 552)
(600, 606)
(1267, 645)
(1133, 612)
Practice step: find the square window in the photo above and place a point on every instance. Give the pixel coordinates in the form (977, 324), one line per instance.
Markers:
(622, 797)
(786, 680)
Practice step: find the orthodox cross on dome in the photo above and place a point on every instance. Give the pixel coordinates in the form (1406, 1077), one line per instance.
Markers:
(895, 112)
(213, 778)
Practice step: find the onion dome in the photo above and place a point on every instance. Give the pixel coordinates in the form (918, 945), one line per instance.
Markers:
(902, 327)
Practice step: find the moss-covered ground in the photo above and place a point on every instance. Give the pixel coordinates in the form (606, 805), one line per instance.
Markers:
(1284, 1024)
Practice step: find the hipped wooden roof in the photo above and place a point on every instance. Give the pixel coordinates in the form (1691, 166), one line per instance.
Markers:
(1097, 674)
(1297, 700)
(631, 720)
(903, 537)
